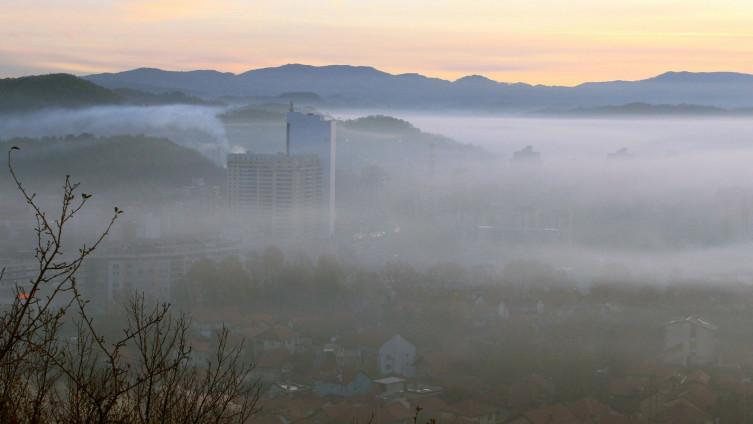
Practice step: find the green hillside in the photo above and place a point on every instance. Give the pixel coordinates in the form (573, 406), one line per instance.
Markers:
(143, 98)
(381, 124)
(125, 164)
(54, 90)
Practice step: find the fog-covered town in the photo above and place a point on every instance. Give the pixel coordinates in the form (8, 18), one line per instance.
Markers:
(190, 235)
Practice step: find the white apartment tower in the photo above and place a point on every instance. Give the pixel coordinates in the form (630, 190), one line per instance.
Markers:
(276, 196)
(310, 134)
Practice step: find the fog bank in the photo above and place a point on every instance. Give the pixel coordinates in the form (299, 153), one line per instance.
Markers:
(196, 127)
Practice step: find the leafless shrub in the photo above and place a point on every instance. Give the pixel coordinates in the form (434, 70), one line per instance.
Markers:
(148, 375)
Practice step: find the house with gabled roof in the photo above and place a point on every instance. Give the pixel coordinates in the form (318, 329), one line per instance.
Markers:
(397, 356)
(689, 341)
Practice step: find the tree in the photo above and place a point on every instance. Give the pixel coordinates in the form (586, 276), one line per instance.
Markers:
(327, 276)
(146, 375)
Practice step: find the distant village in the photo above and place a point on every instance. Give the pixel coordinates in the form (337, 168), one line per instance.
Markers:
(335, 338)
(484, 354)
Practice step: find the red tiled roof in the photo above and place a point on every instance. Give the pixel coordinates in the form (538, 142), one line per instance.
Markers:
(278, 333)
(552, 414)
(626, 386)
(345, 412)
(470, 409)
(395, 411)
(589, 410)
(588, 407)
(436, 363)
(529, 391)
(273, 359)
(430, 404)
(682, 411)
(700, 396)
(268, 419)
(698, 376)
(293, 408)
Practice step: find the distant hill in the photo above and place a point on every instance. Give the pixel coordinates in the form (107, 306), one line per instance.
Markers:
(381, 139)
(252, 114)
(381, 124)
(54, 90)
(647, 110)
(301, 97)
(361, 86)
(67, 91)
(145, 98)
(124, 164)
(644, 109)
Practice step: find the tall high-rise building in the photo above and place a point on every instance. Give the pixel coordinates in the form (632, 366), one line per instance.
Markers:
(277, 196)
(309, 134)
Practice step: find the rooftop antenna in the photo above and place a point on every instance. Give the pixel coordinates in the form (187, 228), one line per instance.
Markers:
(432, 160)
(287, 131)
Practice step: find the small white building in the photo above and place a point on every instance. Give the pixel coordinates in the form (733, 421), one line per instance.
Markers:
(689, 341)
(502, 311)
(540, 307)
(390, 386)
(397, 357)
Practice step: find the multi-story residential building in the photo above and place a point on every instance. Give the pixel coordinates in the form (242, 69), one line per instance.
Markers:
(689, 341)
(149, 268)
(277, 197)
(310, 134)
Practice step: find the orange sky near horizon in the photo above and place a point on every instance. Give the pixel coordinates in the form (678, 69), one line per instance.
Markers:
(542, 42)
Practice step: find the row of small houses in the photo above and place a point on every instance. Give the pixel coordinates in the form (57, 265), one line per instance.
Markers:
(660, 393)
(406, 410)
(688, 341)
(663, 395)
(272, 343)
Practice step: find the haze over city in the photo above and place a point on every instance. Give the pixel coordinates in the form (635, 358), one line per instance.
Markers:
(392, 212)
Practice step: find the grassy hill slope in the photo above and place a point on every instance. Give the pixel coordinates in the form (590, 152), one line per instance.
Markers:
(127, 165)
(54, 90)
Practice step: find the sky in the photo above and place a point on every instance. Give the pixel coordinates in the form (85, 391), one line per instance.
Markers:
(562, 42)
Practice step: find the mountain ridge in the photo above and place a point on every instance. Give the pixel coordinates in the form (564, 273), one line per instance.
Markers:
(290, 67)
(366, 86)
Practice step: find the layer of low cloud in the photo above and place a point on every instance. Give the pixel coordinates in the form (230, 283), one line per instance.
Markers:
(195, 127)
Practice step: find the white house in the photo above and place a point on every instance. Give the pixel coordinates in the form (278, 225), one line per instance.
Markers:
(397, 357)
(502, 311)
(390, 386)
(689, 341)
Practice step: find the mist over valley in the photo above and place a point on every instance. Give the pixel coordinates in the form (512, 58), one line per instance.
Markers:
(393, 246)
